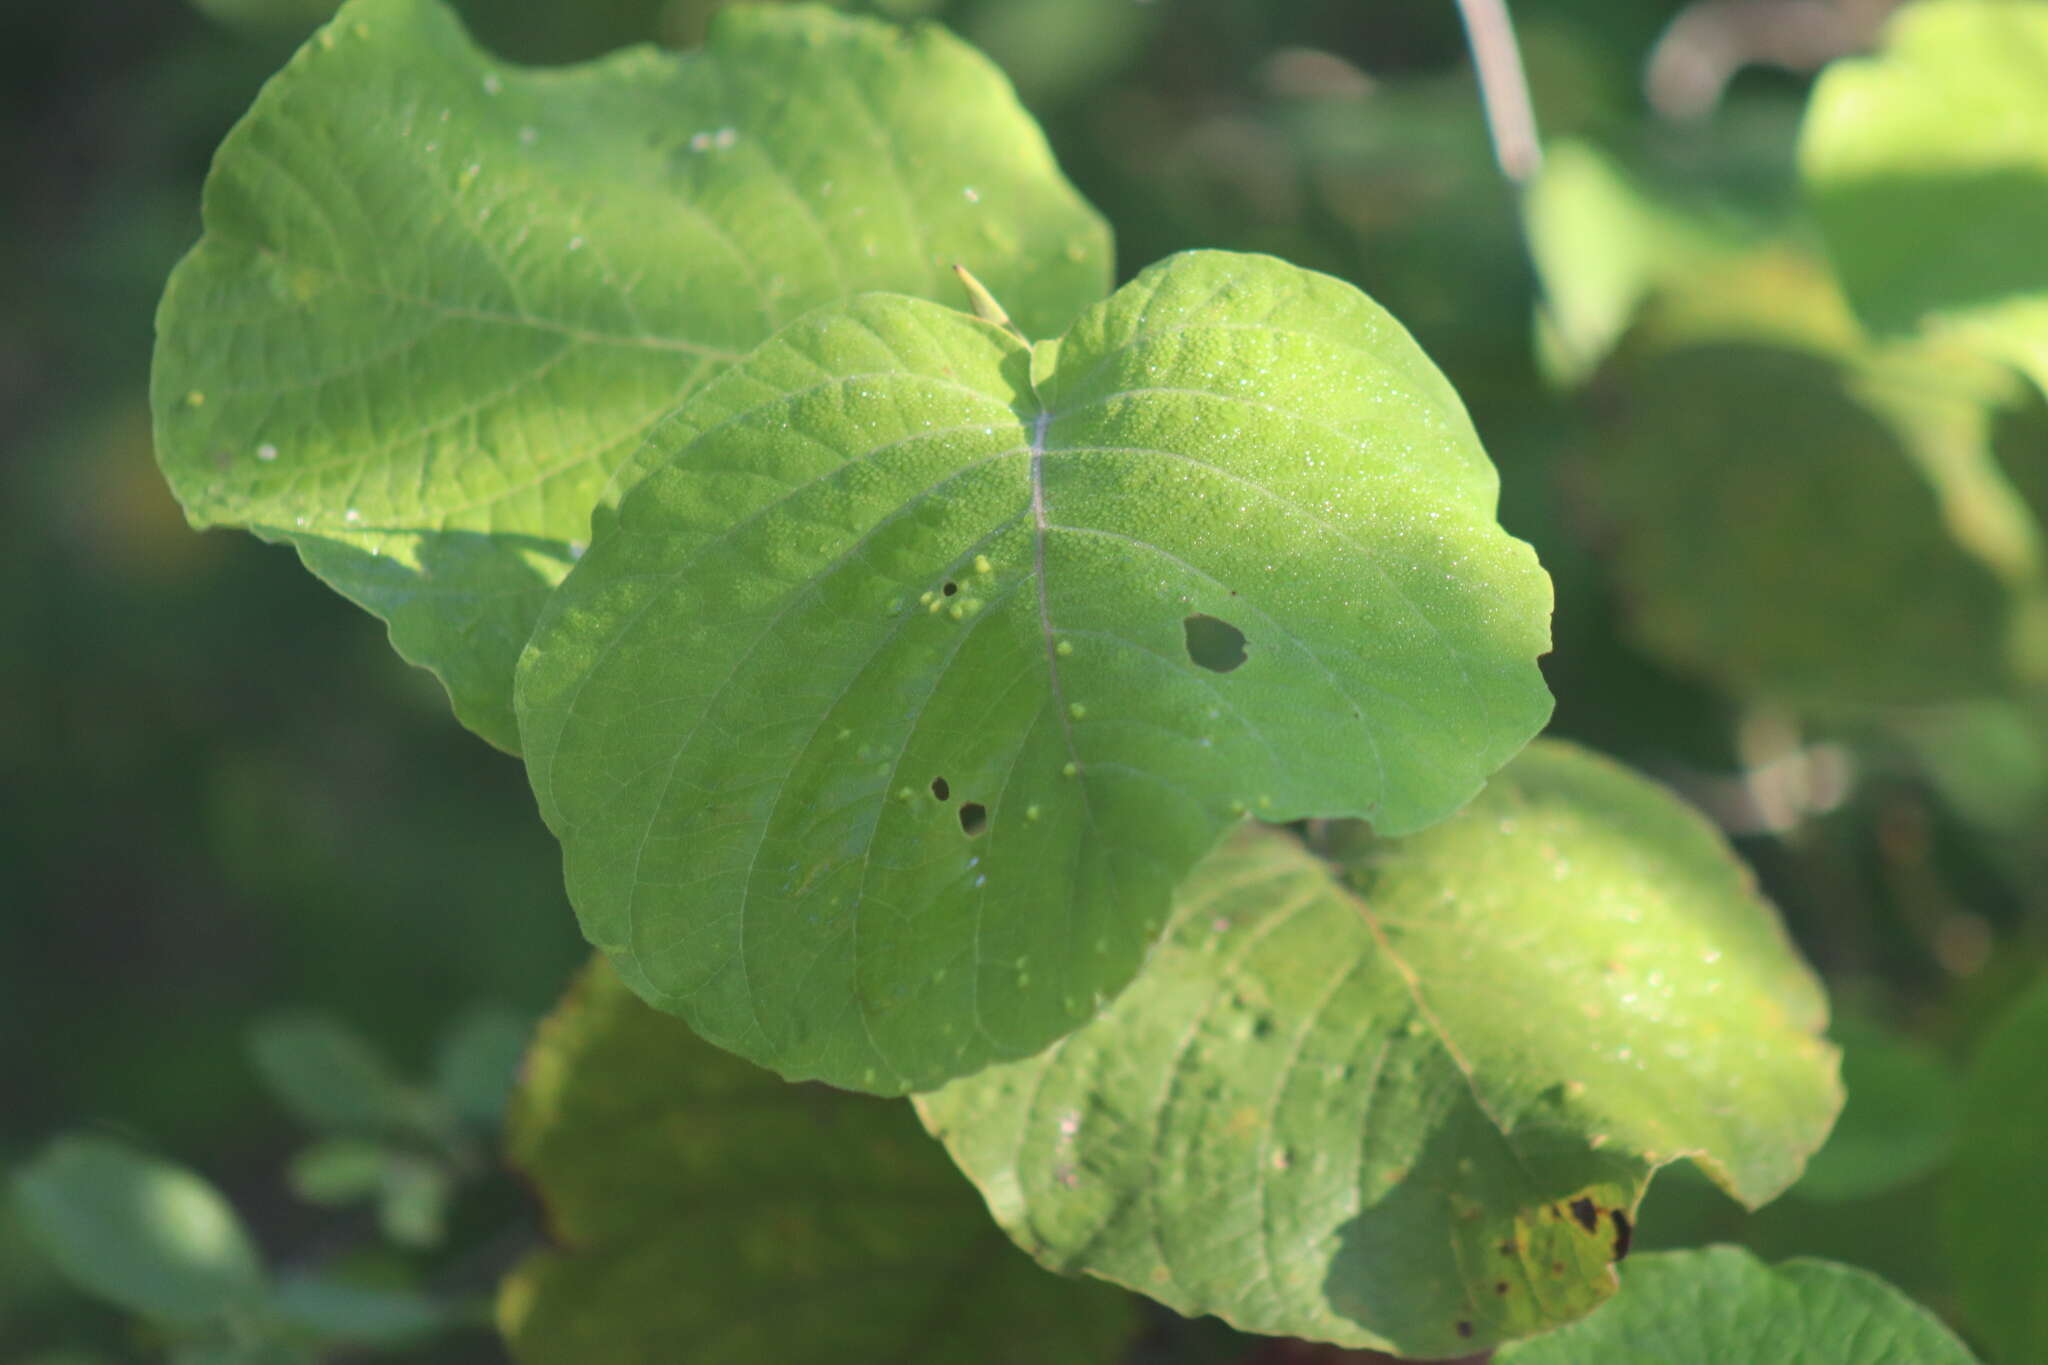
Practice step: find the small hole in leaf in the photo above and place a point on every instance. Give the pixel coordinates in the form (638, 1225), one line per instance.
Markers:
(1215, 645)
(950, 588)
(973, 818)
(941, 790)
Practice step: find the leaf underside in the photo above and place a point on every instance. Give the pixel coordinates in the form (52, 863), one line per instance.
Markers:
(441, 299)
(1412, 1101)
(881, 722)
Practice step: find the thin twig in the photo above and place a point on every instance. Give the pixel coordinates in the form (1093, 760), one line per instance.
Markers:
(1503, 87)
(1511, 120)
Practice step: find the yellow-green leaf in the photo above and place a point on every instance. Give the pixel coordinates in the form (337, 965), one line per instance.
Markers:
(1412, 1100)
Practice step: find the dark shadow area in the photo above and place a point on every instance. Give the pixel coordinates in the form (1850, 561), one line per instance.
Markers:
(1530, 1235)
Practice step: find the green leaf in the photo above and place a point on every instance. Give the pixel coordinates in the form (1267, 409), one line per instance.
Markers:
(1895, 1235)
(332, 1081)
(356, 1314)
(412, 1204)
(242, 1353)
(1998, 1186)
(1928, 166)
(1722, 1304)
(881, 723)
(1782, 531)
(477, 1060)
(441, 298)
(709, 1212)
(1987, 759)
(1606, 240)
(1416, 1107)
(338, 1171)
(1899, 1123)
(137, 1231)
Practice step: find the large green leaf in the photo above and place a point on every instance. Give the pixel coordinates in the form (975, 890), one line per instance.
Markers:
(1929, 170)
(1998, 1187)
(880, 724)
(708, 1212)
(138, 1231)
(1722, 1304)
(441, 298)
(1899, 1123)
(1415, 1106)
(1779, 529)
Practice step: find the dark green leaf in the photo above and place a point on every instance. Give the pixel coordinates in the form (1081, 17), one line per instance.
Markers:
(412, 1201)
(1899, 1122)
(1998, 1187)
(709, 1212)
(332, 1081)
(242, 1353)
(353, 1314)
(1779, 530)
(1722, 1305)
(338, 1171)
(137, 1231)
(477, 1061)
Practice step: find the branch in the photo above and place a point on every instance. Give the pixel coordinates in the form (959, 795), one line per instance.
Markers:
(1503, 88)
(1710, 40)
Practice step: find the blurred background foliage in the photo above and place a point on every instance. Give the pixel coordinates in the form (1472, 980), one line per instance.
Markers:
(1798, 577)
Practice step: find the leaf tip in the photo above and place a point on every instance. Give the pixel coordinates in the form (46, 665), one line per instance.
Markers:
(983, 304)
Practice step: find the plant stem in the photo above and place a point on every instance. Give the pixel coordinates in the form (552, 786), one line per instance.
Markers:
(1503, 88)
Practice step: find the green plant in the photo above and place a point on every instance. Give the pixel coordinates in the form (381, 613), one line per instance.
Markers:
(1105, 715)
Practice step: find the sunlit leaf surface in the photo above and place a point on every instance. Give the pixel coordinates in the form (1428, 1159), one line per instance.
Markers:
(1412, 1100)
(441, 298)
(880, 724)
(1929, 170)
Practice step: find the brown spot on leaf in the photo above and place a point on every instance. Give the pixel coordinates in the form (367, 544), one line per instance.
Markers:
(1464, 1329)
(1510, 1247)
(1587, 1213)
(1500, 1286)
(1623, 1232)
